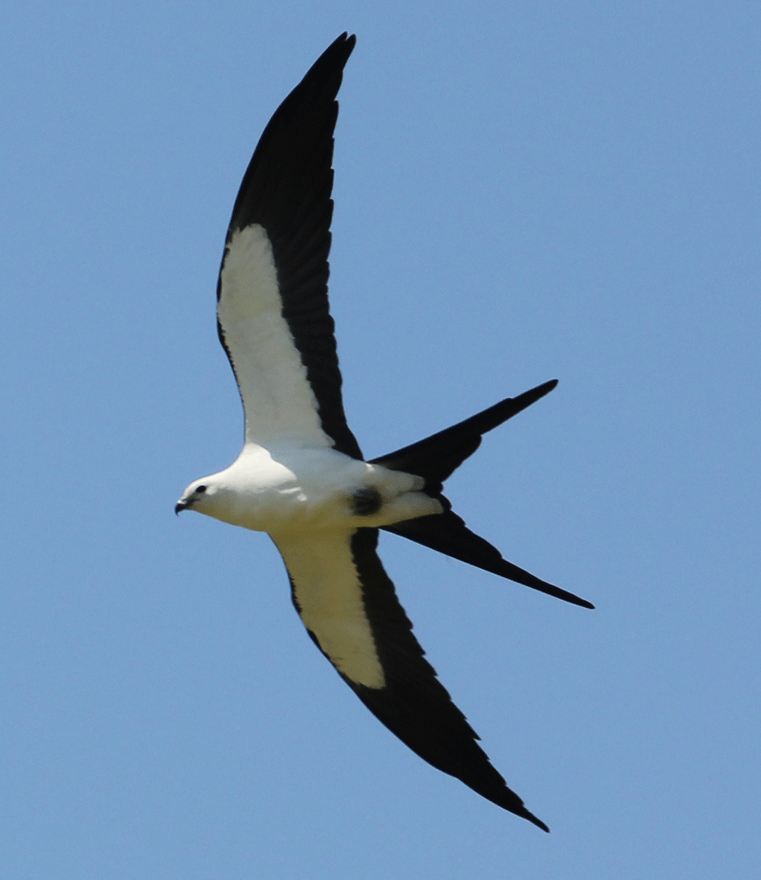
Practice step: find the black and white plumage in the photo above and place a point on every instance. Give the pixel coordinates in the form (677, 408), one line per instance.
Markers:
(301, 477)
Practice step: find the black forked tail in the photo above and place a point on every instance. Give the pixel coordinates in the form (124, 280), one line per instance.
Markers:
(435, 459)
(439, 455)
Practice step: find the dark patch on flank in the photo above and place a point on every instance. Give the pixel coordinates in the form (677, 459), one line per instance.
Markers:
(366, 501)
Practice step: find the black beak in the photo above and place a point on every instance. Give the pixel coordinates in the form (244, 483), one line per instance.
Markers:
(181, 505)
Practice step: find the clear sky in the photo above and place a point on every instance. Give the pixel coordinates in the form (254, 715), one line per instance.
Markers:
(524, 191)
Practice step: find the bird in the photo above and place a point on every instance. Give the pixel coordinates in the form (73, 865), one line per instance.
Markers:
(301, 476)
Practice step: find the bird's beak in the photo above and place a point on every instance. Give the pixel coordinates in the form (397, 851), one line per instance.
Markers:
(181, 505)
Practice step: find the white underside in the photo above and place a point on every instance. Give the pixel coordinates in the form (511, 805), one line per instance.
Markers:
(296, 489)
(329, 597)
(288, 480)
(304, 498)
(277, 399)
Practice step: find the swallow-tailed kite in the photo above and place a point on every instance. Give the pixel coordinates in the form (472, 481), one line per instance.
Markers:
(301, 476)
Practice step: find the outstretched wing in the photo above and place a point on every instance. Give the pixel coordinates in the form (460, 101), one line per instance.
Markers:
(350, 609)
(272, 312)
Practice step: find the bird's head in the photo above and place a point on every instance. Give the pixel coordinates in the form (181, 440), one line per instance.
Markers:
(201, 495)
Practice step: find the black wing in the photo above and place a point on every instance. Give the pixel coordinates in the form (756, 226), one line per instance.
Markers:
(349, 606)
(273, 315)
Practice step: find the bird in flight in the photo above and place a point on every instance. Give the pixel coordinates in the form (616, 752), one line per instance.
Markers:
(301, 476)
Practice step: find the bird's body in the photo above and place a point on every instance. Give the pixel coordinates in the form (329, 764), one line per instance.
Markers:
(301, 476)
(289, 488)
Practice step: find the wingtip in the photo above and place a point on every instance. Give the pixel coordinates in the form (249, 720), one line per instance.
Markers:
(524, 813)
(516, 806)
(345, 41)
(538, 822)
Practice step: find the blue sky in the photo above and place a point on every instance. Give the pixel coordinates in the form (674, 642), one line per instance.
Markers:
(523, 191)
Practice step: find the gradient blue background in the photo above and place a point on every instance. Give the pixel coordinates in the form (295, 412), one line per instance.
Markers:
(523, 191)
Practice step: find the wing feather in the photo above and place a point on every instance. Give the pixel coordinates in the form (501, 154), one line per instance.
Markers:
(273, 312)
(350, 608)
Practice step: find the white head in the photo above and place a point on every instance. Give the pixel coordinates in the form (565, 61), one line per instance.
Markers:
(233, 497)
(207, 495)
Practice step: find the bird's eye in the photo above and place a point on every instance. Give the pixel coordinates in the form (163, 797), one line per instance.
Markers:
(200, 490)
